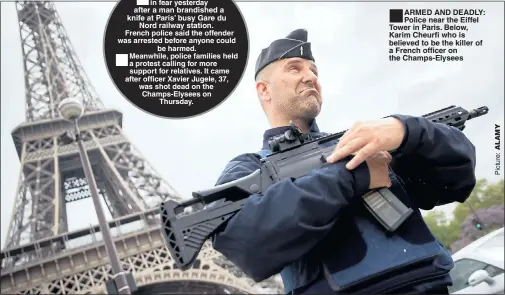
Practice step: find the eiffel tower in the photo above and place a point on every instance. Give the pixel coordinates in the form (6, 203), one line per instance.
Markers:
(40, 255)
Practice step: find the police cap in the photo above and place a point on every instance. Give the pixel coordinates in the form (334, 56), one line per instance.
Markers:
(293, 45)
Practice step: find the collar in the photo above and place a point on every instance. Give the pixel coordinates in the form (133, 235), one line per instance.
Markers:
(314, 129)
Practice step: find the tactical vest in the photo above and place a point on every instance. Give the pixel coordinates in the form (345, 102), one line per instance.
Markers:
(428, 260)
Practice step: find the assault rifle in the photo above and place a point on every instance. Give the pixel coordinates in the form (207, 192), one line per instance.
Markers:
(294, 155)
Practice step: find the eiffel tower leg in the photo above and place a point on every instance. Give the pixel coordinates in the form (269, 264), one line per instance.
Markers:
(130, 167)
(16, 224)
(38, 207)
(127, 201)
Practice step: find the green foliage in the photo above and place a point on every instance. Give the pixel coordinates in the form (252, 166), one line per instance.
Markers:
(484, 195)
(447, 232)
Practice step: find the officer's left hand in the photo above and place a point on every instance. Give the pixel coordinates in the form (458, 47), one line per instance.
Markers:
(366, 139)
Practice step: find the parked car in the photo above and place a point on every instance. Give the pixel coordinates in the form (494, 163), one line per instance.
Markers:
(478, 267)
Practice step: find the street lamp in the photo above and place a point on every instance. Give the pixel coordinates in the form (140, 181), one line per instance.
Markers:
(71, 110)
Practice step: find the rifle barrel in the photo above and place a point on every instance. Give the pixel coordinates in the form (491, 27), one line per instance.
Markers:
(478, 112)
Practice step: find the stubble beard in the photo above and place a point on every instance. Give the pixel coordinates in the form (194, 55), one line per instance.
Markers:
(311, 107)
(302, 108)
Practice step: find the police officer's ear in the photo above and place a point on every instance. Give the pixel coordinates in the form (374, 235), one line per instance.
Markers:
(262, 85)
(262, 90)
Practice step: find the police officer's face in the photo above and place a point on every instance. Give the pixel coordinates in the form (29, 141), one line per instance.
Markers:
(295, 88)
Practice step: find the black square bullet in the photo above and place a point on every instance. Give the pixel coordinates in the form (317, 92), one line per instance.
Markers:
(396, 15)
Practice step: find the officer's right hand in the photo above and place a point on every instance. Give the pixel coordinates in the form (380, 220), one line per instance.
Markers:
(378, 166)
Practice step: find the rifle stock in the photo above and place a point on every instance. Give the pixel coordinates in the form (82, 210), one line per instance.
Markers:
(294, 155)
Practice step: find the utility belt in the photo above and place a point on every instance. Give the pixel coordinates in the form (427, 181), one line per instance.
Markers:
(395, 280)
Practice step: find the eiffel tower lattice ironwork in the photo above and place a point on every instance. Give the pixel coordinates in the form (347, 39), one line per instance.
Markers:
(40, 256)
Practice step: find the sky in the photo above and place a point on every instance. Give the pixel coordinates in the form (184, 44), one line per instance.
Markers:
(350, 45)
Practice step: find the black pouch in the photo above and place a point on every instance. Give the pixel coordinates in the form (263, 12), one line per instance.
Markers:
(391, 280)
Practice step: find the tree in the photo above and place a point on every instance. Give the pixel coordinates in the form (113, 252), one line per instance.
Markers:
(484, 195)
(445, 231)
(490, 218)
(487, 201)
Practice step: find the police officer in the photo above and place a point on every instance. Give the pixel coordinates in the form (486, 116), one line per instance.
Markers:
(315, 230)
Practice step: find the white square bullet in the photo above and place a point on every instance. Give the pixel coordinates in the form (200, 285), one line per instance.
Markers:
(142, 2)
(121, 60)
